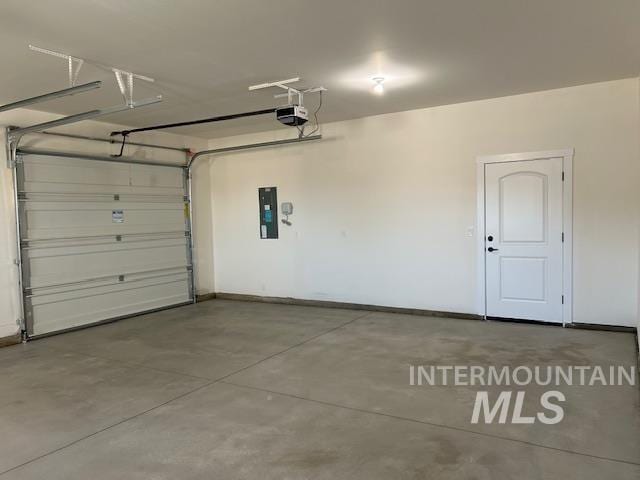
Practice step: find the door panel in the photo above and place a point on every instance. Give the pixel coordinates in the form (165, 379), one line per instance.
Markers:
(523, 225)
(523, 207)
(523, 278)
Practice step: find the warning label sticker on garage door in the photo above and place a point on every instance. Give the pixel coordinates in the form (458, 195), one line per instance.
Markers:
(117, 216)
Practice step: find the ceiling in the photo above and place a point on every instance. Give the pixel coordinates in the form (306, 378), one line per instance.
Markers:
(204, 54)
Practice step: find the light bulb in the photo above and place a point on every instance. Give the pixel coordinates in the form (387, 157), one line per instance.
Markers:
(379, 87)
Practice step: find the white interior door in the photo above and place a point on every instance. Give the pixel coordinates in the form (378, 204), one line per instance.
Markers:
(524, 239)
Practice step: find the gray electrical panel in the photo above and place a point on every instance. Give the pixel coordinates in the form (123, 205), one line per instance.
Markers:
(268, 200)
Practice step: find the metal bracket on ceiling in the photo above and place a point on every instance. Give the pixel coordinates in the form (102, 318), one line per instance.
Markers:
(291, 91)
(15, 134)
(125, 83)
(300, 93)
(74, 64)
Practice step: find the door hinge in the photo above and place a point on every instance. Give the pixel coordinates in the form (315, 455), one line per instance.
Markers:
(562, 237)
(563, 176)
(563, 299)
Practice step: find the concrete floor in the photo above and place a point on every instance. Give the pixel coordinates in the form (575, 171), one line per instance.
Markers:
(231, 390)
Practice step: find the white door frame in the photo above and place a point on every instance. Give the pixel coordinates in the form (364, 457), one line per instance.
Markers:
(567, 223)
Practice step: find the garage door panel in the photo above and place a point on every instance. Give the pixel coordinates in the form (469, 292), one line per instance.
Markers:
(105, 239)
(99, 286)
(133, 242)
(90, 203)
(81, 222)
(50, 266)
(148, 176)
(32, 188)
(100, 240)
(69, 171)
(82, 306)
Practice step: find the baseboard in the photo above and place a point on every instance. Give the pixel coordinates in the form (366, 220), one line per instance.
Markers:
(205, 296)
(344, 305)
(409, 311)
(11, 340)
(607, 328)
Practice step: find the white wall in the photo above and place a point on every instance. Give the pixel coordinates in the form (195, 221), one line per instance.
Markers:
(382, 204)
(9, 303)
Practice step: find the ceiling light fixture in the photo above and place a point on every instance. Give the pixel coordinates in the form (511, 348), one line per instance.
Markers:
(379, 87)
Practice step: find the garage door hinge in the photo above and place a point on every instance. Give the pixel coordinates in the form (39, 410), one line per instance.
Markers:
(13, 162)
(116, 197)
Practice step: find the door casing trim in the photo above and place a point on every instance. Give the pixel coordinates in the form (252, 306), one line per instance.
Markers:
(567, 224)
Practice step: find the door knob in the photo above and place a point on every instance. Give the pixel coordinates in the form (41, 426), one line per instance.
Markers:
(491, 249)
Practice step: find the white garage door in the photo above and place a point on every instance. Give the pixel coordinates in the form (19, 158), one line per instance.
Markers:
(100, 240)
